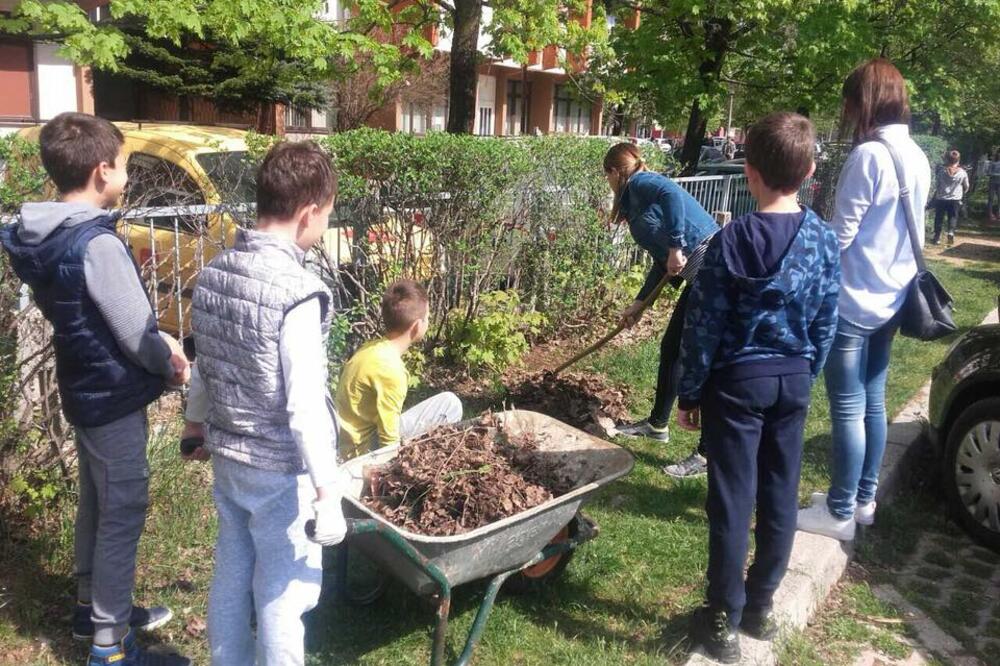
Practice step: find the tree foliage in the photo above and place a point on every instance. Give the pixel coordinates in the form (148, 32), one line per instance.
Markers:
(687, 55)
(236, 52)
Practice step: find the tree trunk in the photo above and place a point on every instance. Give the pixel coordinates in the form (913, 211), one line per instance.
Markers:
(697, 124)
(718, 33)
(464, 75)
(936, 126)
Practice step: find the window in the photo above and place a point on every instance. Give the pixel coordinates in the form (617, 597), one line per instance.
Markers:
(414, 118)
(572, 116)
(98, 14)
(485, 121)
(297, 117)
(439, 117)
(518, 97)
(154, 182)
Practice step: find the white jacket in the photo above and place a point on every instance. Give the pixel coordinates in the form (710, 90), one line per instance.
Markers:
(876, 258)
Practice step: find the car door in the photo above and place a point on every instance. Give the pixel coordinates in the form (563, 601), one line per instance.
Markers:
(168, 244)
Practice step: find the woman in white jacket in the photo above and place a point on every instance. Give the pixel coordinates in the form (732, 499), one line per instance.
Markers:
(877, 266)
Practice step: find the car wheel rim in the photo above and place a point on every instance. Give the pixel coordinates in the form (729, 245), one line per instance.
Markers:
(977, 473)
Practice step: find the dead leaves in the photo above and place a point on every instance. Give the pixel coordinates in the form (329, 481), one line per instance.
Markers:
(456, 479)
(582, 400)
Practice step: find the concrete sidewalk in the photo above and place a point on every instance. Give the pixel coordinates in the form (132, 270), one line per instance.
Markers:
(819, 562)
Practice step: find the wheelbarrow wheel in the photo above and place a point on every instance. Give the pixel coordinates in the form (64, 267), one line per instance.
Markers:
(536, 577)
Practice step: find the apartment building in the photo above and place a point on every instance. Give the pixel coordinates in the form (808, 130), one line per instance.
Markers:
(37, 84)
(511, 99)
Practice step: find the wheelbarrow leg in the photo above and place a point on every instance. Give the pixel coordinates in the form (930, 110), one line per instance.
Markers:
(441, 629)
(482, 615)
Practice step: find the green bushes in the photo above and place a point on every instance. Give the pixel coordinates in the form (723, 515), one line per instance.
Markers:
(496, 337)
(471, 216)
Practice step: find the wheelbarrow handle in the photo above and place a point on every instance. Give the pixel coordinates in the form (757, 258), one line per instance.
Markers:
(354, 526)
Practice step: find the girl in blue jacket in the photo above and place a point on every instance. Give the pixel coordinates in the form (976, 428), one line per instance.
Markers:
(669, 224)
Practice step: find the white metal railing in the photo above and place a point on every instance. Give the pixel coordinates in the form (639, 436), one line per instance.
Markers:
(729, 193)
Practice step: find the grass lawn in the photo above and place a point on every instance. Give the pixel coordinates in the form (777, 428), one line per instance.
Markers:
(623, 600)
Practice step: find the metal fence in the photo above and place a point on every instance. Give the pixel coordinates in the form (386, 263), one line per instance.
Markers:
(729, 193)
(172, 243)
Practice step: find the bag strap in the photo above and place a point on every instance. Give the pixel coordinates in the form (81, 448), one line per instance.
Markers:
(907, 198)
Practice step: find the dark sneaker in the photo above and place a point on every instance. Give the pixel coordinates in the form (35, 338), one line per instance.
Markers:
(759, 624)
(694, 465)
(645, 429)
(951, 239)
(145, 619)
(128, 653)
(710, 629)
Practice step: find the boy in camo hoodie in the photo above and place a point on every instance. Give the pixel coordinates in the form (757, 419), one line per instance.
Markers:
(761, 319)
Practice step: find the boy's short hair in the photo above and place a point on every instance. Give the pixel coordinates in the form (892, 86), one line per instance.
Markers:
(294, 174)
(404, 302)
(781, 147)
(74, 144)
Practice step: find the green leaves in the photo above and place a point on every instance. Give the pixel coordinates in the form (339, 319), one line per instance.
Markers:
(239, 52)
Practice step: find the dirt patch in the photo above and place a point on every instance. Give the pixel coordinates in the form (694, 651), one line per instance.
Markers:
(586, 401)
(455, 479)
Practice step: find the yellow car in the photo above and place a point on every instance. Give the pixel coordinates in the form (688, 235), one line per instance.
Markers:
(186, 167)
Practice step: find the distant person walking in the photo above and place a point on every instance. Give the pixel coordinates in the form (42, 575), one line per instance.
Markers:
(729, 148)
(993, 196)
(952, 186)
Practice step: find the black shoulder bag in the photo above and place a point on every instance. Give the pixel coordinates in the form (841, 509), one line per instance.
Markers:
(926, 312)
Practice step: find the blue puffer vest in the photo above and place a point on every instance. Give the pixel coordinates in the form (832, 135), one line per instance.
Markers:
(98, 384)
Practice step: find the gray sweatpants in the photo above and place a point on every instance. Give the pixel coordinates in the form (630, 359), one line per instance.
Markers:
(441, 409)
(114, 494)
(263, 560)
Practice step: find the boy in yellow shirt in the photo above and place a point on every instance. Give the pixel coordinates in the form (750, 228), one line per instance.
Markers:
(373, 384)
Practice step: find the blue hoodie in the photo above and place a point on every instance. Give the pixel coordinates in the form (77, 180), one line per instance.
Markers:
(764, 302)
(661, 216)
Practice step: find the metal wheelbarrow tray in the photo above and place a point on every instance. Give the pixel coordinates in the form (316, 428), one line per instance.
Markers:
(432, 565)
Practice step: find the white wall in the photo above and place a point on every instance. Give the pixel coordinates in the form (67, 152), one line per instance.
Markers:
(56, 82)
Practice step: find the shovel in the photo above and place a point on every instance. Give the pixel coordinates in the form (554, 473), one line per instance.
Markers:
(646, 302)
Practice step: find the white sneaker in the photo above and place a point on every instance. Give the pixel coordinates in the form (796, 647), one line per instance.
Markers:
(864, 514)
(817, 519)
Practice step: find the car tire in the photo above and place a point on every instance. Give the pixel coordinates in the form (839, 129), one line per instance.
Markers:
(971, 471)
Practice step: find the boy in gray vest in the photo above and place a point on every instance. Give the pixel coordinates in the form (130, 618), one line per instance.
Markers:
(260, 321)
(111, 362)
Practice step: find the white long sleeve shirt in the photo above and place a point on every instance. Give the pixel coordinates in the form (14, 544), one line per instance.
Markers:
(876, 258)
(303, 357)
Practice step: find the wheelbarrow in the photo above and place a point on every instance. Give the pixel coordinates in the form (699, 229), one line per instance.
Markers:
(534, 546)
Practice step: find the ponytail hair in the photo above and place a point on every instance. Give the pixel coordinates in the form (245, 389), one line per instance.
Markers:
(622, 161)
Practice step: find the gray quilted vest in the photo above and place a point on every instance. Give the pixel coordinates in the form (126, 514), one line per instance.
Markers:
(238, 308)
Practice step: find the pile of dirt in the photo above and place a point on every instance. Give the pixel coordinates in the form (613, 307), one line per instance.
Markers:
(455, 479)
(582, 400)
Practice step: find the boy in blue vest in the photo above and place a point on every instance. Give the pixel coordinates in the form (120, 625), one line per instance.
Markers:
(260, 321)
(760, 321)
(111, 362)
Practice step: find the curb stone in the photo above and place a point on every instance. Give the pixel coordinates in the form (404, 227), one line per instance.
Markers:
(818, 562)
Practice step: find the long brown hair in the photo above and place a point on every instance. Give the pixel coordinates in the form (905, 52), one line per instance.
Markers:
(874, 95)
(621, 162)
(951, 160)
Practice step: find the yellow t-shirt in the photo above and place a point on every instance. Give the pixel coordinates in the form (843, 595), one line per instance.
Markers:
(370, 398)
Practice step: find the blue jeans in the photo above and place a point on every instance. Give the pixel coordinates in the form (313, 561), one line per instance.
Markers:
(856, 372)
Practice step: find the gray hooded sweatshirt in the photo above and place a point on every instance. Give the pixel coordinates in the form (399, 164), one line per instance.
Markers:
(112, 282)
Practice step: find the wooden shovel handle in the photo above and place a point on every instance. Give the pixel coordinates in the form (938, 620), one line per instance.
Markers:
(644, 305)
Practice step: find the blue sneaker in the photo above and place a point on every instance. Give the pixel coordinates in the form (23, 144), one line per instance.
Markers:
(128, 653)
(145, 619)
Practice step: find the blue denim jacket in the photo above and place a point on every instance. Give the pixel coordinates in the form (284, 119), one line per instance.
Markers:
(661, 216)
